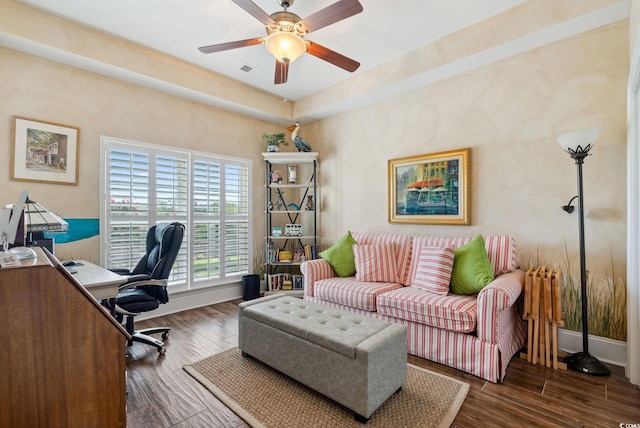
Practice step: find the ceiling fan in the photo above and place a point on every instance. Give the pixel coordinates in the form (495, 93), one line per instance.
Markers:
(286, 32)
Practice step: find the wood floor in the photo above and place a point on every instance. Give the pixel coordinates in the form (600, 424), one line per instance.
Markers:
(161, 394)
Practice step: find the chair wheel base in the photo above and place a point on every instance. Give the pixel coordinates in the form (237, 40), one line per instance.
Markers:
(142, 336)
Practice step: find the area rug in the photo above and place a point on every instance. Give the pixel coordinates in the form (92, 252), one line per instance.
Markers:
(264, 397)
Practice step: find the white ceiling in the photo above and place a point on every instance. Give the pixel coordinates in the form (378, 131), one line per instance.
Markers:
(385, 30)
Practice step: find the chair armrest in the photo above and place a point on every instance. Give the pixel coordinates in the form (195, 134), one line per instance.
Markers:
(495, 302)
(315, 270)
(137, 278)
(121, 271)
(142, 282)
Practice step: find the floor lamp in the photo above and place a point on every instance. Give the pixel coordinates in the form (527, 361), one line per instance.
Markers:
(578, 144)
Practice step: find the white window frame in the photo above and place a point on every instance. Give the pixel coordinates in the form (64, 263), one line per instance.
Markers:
(189, 219)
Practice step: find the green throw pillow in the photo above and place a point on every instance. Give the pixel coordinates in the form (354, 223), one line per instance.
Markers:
(472, 269)
(340, 256)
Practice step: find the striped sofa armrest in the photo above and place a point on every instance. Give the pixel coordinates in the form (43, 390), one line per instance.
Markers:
(499, 295)
(315, 270)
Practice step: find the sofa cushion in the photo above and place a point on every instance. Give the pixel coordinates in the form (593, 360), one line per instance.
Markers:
(502, 253)
(352, 293)
(451, 312)
(376, 263)
(500, 249)
(402, 247)
(435, 265)
(340, 256)
(472, 270)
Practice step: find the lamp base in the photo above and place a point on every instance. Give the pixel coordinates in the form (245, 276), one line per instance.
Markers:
(586, 363)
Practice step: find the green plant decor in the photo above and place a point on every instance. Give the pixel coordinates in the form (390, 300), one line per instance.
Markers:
(274, 139)
(606, 298)
(606, 301)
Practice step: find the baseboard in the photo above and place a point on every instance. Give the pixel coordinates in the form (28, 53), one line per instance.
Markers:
(195, 299)
(606, 350)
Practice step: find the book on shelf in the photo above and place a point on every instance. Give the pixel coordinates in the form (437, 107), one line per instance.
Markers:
(298, 282)
(272, 282)
(309, 252)
(274, 254)
(279, 281)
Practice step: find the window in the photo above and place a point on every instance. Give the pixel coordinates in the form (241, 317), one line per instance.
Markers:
(145, 184)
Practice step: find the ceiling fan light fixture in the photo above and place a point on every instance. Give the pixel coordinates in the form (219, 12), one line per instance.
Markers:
(285, 46)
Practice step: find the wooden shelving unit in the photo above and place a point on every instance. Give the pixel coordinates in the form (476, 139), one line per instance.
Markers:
(291, 200)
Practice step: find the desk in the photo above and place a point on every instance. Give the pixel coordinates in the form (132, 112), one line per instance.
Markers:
(100, 282)
(53, 325)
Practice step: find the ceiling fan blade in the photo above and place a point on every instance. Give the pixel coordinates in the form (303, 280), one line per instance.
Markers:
(332, 56)
(229, 45)
(332, 14)
(252, 9)
(282, 72)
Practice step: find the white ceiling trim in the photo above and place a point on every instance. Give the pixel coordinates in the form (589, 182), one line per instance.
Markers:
(566, 29)
(572, 27)
(88, 64)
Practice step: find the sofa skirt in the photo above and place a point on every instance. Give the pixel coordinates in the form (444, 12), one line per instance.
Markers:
(463, 351)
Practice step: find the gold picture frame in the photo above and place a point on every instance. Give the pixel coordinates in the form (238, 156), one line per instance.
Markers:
(431, 188)
(44, 152)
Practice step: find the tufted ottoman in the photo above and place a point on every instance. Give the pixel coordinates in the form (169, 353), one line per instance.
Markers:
(355, 360)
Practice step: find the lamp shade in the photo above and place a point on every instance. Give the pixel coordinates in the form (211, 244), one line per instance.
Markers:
(578, 142)
(285, 46)
(39, 218)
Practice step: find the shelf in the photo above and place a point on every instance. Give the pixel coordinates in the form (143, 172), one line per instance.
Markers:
(290, 211)
(292, 237)
(280, 198)
(295, 293)
(290, 157)
(289, 186)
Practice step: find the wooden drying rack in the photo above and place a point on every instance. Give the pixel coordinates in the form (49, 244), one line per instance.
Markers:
(543, 313)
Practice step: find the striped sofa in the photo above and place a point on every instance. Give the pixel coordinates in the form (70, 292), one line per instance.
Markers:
(477, 334)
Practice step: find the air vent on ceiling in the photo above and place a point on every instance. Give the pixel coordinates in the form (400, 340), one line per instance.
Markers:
(251, 70)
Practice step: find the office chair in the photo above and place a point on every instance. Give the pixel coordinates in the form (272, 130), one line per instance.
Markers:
(146, 285)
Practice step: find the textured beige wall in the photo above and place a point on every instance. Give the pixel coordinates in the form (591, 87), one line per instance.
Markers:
(45, 90)
(509, 113)
(43, 29)
(634, 19)
(494, 32)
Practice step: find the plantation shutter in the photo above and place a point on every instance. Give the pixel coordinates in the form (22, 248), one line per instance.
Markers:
(127, 207)
(237, 219)
(206, 216)
(146, 185)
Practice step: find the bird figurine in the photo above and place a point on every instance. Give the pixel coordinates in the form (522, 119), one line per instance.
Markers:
(299, 142)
